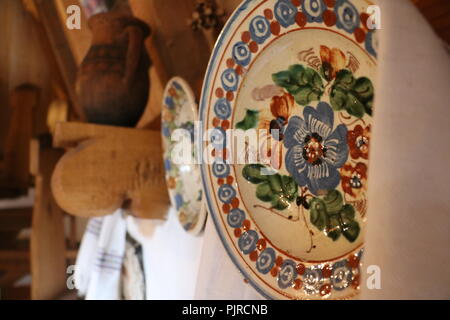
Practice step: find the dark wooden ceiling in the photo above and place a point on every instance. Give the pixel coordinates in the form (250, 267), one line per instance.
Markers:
(437, 12)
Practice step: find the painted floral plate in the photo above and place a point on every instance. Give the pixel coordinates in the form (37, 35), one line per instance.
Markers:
(179, 114)
(286, 110)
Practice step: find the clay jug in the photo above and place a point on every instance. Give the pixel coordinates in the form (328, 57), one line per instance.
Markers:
(113, 81)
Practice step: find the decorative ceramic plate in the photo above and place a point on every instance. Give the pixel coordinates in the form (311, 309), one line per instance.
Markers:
(183, 179)
(286, 112)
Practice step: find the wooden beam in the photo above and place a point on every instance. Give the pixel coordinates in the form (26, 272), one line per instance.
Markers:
(107, 168)
(175, 49)
(65, 59)
(79, 40)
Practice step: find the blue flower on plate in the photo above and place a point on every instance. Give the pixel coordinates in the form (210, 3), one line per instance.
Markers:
(315, 150)
(167, 164)
(242, 55)
(178, 201)
(169, 102)
(259, 29)
(285, 12)
(347, 16)
(314, 10)
(166, 131)
(287, 274)
(177, 85)
(341, 275)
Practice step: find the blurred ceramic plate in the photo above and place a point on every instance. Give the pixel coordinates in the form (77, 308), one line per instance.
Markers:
(179, 114)
(292, 224)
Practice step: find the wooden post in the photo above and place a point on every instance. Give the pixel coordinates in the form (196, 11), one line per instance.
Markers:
(48, 256)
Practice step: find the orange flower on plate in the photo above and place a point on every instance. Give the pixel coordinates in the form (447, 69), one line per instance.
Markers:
(270, 144)
(333, 60)
(167, 116)
(172, 92)
(171, 183)
(281, 106)
(359, 141)
(354, 179)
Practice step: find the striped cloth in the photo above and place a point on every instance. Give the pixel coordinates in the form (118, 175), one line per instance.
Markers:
(99, 261)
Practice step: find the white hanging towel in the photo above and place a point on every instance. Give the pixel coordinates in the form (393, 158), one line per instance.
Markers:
(86, 255)
(99, 261)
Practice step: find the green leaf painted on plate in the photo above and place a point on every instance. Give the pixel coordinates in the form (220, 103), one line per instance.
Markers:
(351, 230)
(333, 229)
(318, 213)
(353, 95)
(347, 212)
(333, 201)
(331, 216)
(250, 120)
(290, 187)
(280, 202)
(275, 183)
(264, 192)
(305, 84)
(279, 190)
(252, 173)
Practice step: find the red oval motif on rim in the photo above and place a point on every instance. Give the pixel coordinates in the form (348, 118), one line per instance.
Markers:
(216, 122)
(274, 271)
(329, 18)
(261, 244)
(300, 268)
(300, 19)
(279, 261)
(268, 14)
(219, 93)
(275, 28)
(355, 282)
(325, 289)
(226, 208)
(353, 261)
(239, 70)
(364, 18)
(326, 271)
(235, 203)
(230, 63)
(246, 36)
(298, 284)
(254, 255)
(360, 35)
(230, 95)
(253, 47)
(246, 225)
(225, 124)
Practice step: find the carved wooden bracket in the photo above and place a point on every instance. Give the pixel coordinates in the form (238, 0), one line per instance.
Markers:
(106, 168)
